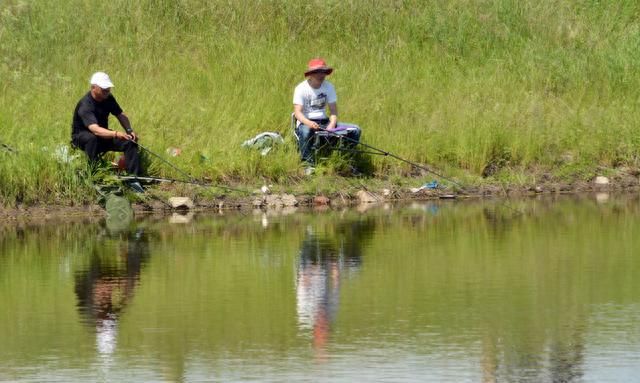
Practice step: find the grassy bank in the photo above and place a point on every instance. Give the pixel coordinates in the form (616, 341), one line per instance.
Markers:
(461, 85)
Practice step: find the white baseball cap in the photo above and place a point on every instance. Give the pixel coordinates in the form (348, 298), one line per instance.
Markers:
(102, 80)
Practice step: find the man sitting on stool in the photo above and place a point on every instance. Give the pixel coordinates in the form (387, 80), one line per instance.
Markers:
(310, 101)
(90, 127)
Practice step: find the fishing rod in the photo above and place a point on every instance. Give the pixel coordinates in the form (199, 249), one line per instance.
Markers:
(358, 151)
(190, 180)
(386, 153)
(172, 180)
(419, 166)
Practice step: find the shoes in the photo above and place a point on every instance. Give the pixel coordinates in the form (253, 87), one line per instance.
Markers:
(135, 186)
(309, 170)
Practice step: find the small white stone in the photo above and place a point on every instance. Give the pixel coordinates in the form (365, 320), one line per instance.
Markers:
(366, 197)
(177, 202)
(600, 180)
(289, 200)
(273, 200)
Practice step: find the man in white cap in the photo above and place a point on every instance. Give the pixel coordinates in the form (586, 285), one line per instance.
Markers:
(311, 99)
(90, 127)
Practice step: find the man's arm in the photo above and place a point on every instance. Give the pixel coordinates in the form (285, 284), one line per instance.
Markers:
(333, 117)
(126, 125)
(297, 111)
(105, 133)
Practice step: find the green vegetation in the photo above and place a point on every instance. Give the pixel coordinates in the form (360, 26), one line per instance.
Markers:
(459, 85)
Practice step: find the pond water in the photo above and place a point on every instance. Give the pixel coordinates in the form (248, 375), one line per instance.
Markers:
(446, 291)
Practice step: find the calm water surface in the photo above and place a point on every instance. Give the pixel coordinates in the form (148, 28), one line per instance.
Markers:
(437, 291)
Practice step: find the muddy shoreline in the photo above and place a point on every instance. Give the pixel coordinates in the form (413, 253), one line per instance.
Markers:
(270, 201)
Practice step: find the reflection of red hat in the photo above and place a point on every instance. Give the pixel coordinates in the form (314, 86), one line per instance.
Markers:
(317, 65)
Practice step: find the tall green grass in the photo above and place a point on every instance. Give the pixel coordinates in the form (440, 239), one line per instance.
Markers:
(456, 84)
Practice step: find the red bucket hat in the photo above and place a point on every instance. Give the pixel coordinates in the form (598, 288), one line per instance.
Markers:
(317, 65)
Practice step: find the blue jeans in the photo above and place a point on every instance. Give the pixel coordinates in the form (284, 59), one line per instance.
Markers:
(307, 142)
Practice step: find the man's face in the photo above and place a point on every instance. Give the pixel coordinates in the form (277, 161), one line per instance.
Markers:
(100, 94)
(318, 76)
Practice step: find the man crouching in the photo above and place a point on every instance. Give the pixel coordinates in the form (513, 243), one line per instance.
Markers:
(90, 128)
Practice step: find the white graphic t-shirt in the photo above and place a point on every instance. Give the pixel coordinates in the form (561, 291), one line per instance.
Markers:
(314, 101)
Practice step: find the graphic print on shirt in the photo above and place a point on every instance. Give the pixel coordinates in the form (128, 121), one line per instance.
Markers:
(317, 105)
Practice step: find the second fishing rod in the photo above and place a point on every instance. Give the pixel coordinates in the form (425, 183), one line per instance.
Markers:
(415, 164)
(189, 178)
(379, 151)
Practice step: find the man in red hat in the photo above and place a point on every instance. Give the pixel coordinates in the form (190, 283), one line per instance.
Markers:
(311, 99)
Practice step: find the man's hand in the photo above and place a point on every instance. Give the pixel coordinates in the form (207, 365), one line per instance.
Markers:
(125, 136)
(314, 125)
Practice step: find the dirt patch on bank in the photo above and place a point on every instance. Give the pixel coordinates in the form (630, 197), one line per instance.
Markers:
(50, 213)
(268, 200)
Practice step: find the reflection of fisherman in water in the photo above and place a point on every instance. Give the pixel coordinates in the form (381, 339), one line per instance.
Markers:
(318, 287)
(324, 262)
(106, 287)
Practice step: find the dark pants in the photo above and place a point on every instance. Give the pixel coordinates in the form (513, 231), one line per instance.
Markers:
(94, 146)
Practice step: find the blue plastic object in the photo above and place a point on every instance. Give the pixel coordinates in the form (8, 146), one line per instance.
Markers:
(431, 185)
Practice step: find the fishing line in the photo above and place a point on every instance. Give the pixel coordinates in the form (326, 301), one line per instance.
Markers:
(191, 180)
(385, 153)
(419, 166)
(172, 180)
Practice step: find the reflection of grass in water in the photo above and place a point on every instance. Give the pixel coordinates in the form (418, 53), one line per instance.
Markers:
(526, 280)
(458, 84)
(464, 273)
